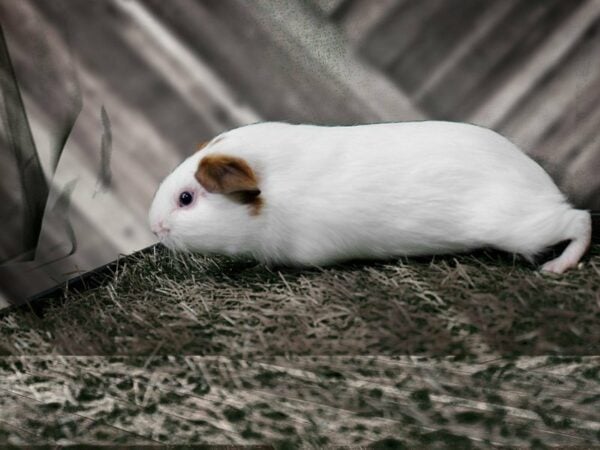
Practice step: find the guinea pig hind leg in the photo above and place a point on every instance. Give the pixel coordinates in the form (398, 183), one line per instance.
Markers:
(580, 233)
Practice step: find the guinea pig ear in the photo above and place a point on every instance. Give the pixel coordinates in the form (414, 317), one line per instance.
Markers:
(201, 145)
(222, 174)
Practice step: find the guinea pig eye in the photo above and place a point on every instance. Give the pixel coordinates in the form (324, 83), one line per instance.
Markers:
(185, 198)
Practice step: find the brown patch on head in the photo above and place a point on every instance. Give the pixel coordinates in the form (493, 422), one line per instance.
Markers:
(201, 145)
(224, 174)
(232, 176)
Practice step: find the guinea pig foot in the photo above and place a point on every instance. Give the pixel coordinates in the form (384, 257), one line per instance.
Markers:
(558, 265)
(571, 255)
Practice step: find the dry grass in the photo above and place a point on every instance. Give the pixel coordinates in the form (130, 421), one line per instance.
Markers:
(467, 306)
(309, 357)
(388, 402)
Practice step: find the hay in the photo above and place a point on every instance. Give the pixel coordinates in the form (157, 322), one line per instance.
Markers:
(472, 305)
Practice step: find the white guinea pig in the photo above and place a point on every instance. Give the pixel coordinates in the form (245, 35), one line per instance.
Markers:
(316, 195)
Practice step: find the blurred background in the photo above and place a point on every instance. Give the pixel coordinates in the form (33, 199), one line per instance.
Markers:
(101, 99)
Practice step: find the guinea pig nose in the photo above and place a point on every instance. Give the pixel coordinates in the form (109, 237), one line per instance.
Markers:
(159, 228)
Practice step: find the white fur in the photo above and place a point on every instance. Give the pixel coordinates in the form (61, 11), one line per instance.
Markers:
(373, 191)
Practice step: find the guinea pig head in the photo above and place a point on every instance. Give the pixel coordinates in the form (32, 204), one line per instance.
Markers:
(207, 204)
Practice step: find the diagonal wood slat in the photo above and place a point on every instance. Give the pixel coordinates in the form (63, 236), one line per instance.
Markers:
(554, 49)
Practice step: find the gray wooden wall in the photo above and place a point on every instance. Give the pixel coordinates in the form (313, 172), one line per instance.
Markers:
(171, 74)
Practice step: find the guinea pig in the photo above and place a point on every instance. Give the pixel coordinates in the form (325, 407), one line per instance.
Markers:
(302, 195)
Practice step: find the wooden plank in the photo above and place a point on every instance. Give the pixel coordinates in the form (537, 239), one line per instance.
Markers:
(489, 20)
(295, 65)
(324, 45)
(494, 58)
(195, 82)
(394, 35)
(437, 36)
(581, 178)
(553, 50)
(251, 62)
(95, 36)
(559, 106)
(362, 18)
(329, 7)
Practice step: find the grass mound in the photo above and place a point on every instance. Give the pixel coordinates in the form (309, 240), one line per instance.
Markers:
(485, 303)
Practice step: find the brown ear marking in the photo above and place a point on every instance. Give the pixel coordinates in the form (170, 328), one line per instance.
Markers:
(229, 175)
(201, 145)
